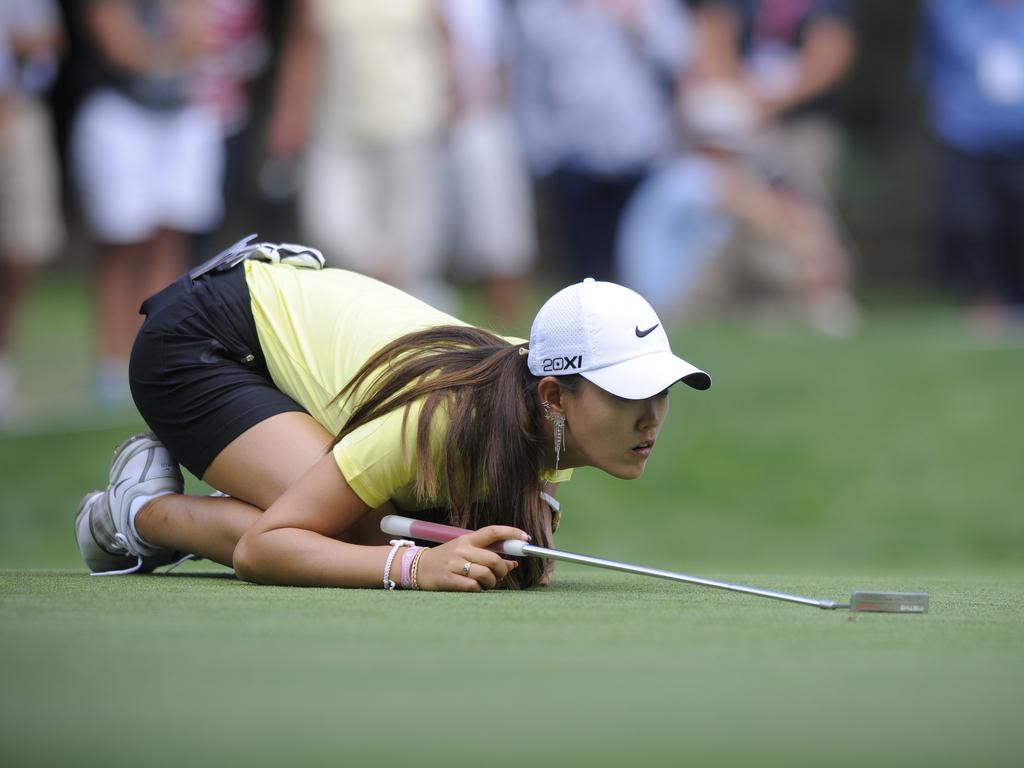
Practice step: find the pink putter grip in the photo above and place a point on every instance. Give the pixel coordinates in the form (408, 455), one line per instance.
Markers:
(396, 525)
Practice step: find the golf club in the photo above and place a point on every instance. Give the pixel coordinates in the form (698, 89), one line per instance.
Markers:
(880, 602)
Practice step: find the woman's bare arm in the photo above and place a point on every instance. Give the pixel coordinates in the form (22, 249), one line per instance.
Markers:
(293, 106)
(296, 542)
(115, 27)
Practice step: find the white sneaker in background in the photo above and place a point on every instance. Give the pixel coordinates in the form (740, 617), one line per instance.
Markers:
(835, 314)
(8, 388)
(111, 384)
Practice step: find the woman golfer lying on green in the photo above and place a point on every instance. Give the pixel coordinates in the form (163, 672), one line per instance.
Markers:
(319, 400)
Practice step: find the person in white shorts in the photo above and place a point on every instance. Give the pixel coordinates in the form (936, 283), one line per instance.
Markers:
(363, 99)
(147, 161)
(492, 207)
(31, 226)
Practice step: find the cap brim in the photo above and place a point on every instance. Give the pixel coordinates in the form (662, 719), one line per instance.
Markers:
(646, 376)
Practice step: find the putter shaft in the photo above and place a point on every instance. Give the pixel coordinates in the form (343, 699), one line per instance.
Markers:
(572, 557)
(397, 525)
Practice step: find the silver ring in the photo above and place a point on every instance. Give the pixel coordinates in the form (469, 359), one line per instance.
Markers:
(465, 568)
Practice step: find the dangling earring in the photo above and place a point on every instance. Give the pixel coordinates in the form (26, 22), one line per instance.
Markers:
(558, 420)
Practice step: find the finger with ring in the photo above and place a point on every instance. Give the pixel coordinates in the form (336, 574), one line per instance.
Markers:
(466, 568)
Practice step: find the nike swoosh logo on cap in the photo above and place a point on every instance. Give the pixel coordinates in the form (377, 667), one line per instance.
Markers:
(640, 334)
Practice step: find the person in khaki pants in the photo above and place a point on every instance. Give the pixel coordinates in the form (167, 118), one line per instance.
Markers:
(31, 227)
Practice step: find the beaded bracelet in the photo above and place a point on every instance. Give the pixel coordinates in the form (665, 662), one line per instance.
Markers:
(396, 544)
(415, 568)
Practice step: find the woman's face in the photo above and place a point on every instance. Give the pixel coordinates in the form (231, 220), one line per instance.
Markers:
(609, 432)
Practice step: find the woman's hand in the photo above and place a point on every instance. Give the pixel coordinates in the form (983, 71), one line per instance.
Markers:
(465, 564)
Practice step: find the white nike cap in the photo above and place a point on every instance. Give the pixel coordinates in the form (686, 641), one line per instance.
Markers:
(611, 336)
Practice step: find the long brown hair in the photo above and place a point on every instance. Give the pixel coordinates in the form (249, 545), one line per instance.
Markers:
(490, 465)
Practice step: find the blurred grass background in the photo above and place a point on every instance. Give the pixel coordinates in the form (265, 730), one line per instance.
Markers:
(899, 447)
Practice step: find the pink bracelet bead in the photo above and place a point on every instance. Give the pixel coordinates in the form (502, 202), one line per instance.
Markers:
(407, 557)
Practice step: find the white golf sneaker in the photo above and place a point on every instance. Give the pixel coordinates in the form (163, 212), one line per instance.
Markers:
(142, 466)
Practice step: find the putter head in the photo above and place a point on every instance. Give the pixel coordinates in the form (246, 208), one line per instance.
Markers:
(890, 602)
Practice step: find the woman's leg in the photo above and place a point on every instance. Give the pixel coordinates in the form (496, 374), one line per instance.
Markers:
(118, 309)
(205, 526)
(168, 261)
(254, 470)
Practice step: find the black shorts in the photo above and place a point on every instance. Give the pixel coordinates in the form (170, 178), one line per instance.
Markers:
(198, 375)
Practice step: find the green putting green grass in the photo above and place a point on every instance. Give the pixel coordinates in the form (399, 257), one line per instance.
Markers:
(889, 461)
(600, 669)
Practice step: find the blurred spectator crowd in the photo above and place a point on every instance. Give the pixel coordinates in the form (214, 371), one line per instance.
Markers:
(691, 150)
